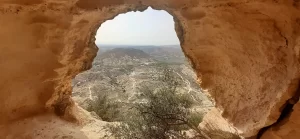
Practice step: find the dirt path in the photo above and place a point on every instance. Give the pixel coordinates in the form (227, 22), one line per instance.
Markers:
(131, 76)
(90, 93)
(188, 84)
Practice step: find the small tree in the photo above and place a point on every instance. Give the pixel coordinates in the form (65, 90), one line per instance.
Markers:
(105, 108)
(162, 113)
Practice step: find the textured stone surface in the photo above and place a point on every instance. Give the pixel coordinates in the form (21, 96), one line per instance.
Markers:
(287, 129)
(49, 126)
(216, 127)
(245, 53)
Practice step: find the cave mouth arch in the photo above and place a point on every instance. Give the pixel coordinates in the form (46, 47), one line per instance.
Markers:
(54, 42)
(145, 56)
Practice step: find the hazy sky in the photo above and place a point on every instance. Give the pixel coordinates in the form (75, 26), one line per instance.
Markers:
(151, 27)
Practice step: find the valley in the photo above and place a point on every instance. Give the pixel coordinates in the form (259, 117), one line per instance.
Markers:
(119, 70)
(119, 73)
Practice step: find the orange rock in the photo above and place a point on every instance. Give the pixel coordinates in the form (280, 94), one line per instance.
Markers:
(246, 54)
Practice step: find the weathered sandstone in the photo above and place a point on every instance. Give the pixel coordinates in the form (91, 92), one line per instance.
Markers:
(245, 53)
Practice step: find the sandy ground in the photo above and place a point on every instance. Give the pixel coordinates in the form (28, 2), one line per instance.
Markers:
(52, 127)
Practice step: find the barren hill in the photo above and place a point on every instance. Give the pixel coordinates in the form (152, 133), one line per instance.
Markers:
(123, 56)
(124, 52)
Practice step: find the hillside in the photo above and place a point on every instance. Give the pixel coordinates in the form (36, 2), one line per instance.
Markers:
(164, 53)
(120, 71)
(123, 56)
(124, 52)
(118, 74)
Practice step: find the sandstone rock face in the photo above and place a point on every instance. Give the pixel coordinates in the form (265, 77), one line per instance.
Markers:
(217, 127)
(49, 126)
(287, 128)
(245, 53)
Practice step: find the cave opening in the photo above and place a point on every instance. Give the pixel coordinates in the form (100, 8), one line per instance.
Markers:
(140, 53)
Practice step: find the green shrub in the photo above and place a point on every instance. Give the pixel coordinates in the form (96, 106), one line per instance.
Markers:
(163, 113)
(105, 108)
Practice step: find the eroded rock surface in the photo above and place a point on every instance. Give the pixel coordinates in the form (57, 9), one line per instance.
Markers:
(49, 126)
(217, 127)
(246, 54)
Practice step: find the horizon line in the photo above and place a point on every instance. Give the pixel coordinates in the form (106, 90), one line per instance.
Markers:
(138, 44)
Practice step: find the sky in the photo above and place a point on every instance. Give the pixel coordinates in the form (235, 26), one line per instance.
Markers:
(151, 27)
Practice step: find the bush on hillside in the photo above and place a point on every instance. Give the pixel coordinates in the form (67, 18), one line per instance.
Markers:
(163, 113)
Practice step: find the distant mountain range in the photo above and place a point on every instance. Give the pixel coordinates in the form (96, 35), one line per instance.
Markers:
(122, 52)
(123, 56)
(103, 48)
(126, 45)
(165, 53)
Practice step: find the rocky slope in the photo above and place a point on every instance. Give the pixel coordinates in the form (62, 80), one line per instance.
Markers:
(49, 126)
(245, 53)
(121, 71)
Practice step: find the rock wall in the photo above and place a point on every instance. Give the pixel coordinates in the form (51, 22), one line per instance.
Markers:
(245, 53)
